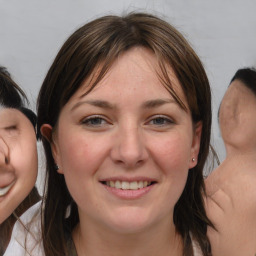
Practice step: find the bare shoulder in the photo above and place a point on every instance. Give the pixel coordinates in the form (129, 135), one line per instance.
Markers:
(231, 206)
(235, 179)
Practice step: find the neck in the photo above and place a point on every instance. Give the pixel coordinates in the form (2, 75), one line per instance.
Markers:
(103, 242)
(234, 152)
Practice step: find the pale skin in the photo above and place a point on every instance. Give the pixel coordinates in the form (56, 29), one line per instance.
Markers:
(231, 202)
(18, 160)
(128, 129)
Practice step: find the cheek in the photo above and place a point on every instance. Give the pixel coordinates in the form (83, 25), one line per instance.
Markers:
(173, 154)
(81, 154)
(25, 160)
(172, 157)
(78, 164)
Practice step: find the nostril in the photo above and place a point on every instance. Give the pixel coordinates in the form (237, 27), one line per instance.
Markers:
(6, 160)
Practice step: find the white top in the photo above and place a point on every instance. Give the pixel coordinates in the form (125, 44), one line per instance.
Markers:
(24, 243)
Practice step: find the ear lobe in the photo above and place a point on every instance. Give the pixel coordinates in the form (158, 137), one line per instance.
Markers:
(46, 131)
(196, 144)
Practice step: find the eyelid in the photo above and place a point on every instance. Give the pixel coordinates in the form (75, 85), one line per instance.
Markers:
(11, 127)
(91, 117)
(10, 130)
(166, 118)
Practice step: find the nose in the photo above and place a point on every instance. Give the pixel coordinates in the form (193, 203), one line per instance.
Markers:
(129, 148)
(4, 153)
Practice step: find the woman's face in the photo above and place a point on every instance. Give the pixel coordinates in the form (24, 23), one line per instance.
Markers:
(18, 160)
(125, 149)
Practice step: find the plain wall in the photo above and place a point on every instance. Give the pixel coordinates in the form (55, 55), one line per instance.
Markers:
(223, 33)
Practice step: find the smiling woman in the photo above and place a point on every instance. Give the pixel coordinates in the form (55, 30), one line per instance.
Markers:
(125, 117)
(18, 156)
(133, 141)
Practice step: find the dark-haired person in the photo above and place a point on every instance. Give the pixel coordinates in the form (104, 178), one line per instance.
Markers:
(125, 118)
(231, 203)
(18, 156)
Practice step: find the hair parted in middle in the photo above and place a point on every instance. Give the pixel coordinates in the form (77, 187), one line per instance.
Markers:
(94, 47)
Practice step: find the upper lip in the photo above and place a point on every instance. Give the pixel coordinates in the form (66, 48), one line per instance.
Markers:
(7, 176)
(4, 185)
(5, 190)
(6, 179)
(128, 179)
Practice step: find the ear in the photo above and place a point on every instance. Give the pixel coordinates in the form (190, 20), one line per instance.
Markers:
(195, 147)
(47, 132)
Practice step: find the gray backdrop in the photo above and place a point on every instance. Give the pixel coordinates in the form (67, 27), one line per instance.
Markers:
(223, 33)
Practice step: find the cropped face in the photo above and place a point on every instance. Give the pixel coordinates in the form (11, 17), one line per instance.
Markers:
(237, 116)
(18, 160)
(126, 148)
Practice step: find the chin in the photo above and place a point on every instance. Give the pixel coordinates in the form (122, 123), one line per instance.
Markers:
(130, 222)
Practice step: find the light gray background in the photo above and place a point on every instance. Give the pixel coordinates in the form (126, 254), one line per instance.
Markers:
(223, 33)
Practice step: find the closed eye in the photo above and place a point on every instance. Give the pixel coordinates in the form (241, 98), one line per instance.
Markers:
(9, 128)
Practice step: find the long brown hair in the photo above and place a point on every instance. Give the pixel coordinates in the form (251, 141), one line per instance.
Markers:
(99, 43)
(12, 96)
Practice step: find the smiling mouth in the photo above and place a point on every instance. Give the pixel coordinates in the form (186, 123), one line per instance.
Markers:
(126, 185)
(5, 190)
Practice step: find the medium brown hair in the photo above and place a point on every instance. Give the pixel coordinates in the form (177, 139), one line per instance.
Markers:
(98, 44)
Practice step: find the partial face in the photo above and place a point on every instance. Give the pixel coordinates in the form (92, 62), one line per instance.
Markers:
(18, 160)
(237, 115)
(125, 149)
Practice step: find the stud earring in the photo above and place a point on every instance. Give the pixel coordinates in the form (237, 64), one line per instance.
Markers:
(193, 159)
(57, 167)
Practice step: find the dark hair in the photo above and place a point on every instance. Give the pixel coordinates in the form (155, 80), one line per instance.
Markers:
(246, 76)
(12, 96)
(97, 45)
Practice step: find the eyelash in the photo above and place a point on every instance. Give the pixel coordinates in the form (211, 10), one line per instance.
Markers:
(11, 130)
(167, 121)
(86, 121)
(13, 127)
(101, 121)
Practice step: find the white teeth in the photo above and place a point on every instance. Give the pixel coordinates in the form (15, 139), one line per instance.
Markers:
(125, 185)
(133, 185)
(118, 184)
(140, 184)
(4, 191)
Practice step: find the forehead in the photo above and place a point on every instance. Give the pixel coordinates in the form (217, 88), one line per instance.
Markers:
(239, 92)
(11, 115)
(237, 99)
(135, 69)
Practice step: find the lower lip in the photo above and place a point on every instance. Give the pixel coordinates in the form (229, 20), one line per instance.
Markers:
(129, 193)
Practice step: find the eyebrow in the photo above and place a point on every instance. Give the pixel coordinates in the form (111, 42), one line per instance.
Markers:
(157, 103)
(96, 103)
(107, 105)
